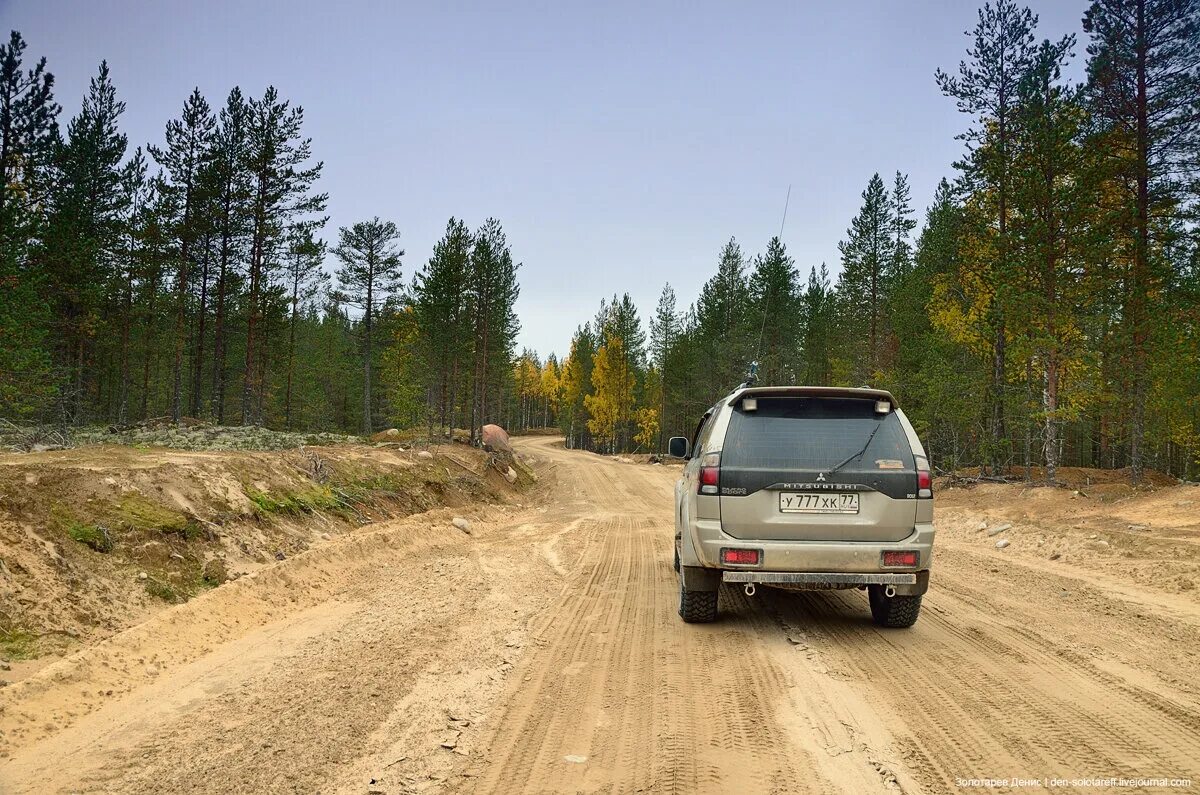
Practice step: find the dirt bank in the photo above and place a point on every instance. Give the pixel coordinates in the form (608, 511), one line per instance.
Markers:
(96, 539)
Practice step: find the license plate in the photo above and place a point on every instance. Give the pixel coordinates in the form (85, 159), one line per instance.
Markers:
(842, 502)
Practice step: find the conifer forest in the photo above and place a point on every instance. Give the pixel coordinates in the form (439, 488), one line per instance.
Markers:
(1042, 312)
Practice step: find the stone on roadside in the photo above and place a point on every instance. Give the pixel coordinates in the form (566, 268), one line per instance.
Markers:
(1000, 528)
(495, 438)
(425, 454)
(511, 475)
(1002, 543)
(461, 524)
(1098, 545)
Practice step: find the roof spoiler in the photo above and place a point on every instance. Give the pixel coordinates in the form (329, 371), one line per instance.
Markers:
(813, 391)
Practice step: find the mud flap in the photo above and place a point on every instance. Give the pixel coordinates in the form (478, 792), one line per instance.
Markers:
(917, 588)
(698, 578)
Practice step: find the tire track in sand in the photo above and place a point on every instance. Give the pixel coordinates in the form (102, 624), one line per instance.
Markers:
(980, 699)
(620, 696)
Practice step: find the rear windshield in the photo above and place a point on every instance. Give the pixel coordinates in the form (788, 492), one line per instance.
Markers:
(816, 433)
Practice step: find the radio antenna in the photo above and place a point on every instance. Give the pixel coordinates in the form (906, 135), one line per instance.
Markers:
(767, 298)
(785, 208)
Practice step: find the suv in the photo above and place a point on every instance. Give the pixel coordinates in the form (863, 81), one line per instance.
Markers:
(804, 488)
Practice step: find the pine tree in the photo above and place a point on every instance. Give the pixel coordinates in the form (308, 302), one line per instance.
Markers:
(280, 192)
(185, 156)
(28, 134)
(230, 188)
(723, 325)
(903, 223)
(370, 272)
(816, 310)
(440, 299)
(84, 231)
(492, 292)
(305, 280)
(1143, 80)
(159, 258)
(940, 380)
(868, 254)
(138, 190)
(664, 327)
(775, 307)
(665, 331)
(986, 87)
(1049, 185)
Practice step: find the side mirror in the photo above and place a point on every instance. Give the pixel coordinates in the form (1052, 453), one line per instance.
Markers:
(678, 447)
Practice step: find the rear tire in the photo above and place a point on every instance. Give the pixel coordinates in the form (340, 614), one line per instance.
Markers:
(897, 612)
(697, 607)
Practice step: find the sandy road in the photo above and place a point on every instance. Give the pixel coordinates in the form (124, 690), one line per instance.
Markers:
(543, 654)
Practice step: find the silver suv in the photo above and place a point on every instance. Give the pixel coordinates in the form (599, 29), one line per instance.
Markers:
(804, 488)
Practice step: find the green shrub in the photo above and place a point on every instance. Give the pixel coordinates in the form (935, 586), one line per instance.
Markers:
(161, 590)
(94, 536)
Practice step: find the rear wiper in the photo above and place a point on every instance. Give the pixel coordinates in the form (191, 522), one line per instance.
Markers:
(860, 452)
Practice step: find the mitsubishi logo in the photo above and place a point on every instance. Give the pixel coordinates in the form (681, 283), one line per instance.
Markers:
(820, 477)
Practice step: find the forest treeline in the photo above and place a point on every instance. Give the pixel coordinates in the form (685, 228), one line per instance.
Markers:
(187, 278)
(1047, 312)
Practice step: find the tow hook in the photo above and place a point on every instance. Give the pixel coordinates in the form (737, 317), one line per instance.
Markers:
(889, 591)
(749, 589)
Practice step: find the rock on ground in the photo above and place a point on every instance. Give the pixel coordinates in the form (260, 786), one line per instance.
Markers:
(495, 438)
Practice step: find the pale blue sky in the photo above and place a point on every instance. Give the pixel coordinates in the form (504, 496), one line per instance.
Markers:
(620, 144)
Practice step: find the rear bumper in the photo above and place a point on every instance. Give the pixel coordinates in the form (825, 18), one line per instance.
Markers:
(817, 578)
(818, 563)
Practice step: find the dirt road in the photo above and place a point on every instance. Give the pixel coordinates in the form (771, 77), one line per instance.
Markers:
(542, 653)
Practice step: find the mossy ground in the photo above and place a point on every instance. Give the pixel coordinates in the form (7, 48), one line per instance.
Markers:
(18, 644)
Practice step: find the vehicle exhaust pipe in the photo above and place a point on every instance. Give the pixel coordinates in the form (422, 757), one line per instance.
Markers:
(749, 589)
(889, 591)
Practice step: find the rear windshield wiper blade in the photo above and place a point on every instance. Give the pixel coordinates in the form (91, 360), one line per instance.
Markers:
(870, 438)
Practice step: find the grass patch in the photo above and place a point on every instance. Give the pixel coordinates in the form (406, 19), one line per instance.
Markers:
(91, 535)
(105, 521)
(161, 590)
(18, 644)
(302, 502)
(138, 513)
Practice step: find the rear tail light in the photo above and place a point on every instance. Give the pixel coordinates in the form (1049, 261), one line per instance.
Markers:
(924, 483)
(710, 473)
(741, 557)
(901, 558)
